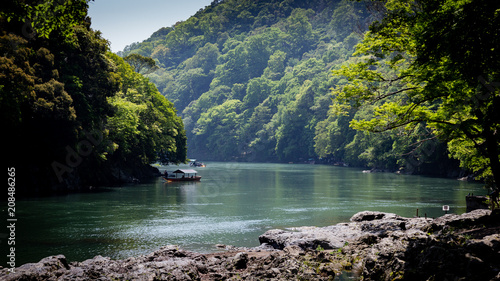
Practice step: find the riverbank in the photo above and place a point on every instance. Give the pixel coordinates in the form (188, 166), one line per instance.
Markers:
(373, 245)
(36, 186)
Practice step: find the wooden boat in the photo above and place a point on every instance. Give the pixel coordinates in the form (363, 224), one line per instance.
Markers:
(183, 175)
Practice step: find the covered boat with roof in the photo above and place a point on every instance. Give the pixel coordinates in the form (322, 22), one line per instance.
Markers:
(182, 175)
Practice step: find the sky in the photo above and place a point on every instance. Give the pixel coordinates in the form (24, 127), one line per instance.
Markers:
(123, 22)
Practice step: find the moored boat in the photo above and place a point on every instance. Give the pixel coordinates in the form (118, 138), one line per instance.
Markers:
(182, 175)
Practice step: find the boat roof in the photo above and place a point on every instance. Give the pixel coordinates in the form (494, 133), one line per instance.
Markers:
(185, 171)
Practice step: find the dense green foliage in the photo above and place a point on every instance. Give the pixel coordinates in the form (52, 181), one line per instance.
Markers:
(251, 77)
(253, 80)
(73, 112)
(428, 69)
(144, 126)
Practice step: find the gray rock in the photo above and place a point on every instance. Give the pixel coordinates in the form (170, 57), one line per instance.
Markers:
(446, 254)
(336, 236)
(46, 269)
(293, 250)
(240, 260)
(480, 216)
(330, 237)
(369, 216)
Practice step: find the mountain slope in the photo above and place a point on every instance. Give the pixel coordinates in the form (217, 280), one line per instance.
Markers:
(238, 70)
(252, 79)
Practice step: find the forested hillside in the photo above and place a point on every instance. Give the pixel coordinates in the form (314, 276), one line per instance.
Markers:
(253, 82)
(430, 70)
(74, 114)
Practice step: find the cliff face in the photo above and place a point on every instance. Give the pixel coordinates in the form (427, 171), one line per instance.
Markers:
(374, 245)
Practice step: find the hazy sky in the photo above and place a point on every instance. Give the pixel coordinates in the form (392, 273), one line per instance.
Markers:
(123, 22)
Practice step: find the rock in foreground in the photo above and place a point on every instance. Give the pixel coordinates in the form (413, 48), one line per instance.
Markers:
(171, 263)
(377, 246)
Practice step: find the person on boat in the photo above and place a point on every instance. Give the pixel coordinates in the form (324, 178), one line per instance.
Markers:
(166, 174)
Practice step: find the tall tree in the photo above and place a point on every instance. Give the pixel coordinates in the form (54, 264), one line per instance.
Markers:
(141, 64)
(436, 63)
(68, 104)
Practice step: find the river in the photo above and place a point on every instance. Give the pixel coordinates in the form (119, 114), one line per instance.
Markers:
(233, 204)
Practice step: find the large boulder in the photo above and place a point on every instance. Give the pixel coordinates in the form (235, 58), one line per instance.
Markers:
(363, 225)
(466, 220)
(46, 269)
(370, 216)
(451, 247)
(330, 237)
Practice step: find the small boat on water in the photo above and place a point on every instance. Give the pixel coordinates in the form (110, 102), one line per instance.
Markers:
(194, 163)
(182, 175)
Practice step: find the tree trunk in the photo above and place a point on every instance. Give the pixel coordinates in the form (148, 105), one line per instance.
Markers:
(492, 150)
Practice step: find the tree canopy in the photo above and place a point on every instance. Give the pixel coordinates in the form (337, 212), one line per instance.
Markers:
(249, 62)
(263, 68)
(141, 64)
(75, 113)
(431, 63)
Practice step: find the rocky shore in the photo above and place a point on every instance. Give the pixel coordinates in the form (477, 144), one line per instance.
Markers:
(373, 246)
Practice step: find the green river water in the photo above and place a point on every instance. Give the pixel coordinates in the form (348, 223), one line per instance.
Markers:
(233, 204)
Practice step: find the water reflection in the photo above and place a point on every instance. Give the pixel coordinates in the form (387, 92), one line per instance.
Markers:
(233, 204)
